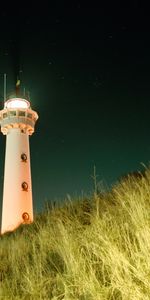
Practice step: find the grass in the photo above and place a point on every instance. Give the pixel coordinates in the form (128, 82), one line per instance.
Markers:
(93, 248)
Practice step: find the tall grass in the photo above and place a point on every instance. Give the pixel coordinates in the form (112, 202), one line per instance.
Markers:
(86, 249)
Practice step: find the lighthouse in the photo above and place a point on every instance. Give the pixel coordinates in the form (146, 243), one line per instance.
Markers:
(17, 120)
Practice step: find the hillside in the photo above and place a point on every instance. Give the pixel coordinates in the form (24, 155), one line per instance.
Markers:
(87, 249)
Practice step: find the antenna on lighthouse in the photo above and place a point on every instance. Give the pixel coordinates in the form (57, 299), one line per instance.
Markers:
(29, 95)
(18, 87)
(5, 81)
(24, 91)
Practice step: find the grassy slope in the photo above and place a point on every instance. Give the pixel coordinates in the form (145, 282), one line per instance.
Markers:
(92, 249)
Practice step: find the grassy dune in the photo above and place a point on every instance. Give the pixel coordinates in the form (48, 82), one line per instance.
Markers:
(89, 249)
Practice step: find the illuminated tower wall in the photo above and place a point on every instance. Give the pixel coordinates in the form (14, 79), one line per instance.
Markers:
(17, 121)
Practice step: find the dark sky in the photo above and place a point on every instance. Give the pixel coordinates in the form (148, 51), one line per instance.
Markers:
(88, 73)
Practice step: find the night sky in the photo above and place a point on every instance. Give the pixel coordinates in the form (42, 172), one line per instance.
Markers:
(88, 73)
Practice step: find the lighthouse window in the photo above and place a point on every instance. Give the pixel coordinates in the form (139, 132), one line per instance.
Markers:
(29, 116)
(24, 157)
(24, 186)
(25, 216)
(21, 113)
(12, 113)
(23, 130)
(5, 115)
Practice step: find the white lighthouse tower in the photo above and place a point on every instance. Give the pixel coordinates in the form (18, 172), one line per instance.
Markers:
(17, 121)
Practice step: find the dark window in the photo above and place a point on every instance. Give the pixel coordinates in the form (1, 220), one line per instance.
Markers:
(12, 113)
(22, 113)
(5, 115)
(24, 186)
(29, 116)
(25, 216)
(24, 157)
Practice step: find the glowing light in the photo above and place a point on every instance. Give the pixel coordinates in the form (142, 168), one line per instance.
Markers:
(17, 103)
